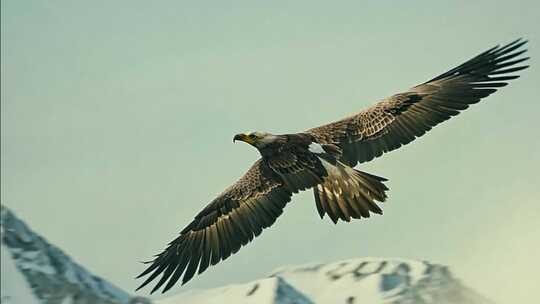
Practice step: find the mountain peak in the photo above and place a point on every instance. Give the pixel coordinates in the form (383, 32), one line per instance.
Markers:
(358, 280)
(51, 276)
(378, 280)
(272, 290)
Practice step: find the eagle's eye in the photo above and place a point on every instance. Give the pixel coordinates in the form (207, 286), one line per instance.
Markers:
(252, 135)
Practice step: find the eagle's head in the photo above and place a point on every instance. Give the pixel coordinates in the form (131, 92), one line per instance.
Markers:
(257, 139)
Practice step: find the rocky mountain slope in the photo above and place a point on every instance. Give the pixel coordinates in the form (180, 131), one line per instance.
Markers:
(50, 276)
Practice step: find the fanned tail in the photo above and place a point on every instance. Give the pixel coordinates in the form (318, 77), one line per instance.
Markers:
(349, 193)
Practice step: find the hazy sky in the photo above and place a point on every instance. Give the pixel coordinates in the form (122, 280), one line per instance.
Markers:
(118, 116)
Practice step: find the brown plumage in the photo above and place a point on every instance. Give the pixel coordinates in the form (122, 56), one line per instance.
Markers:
(323, 159)
(399, 119)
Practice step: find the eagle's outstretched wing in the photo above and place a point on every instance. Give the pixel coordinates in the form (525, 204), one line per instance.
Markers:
(230, 221)
(399, 119)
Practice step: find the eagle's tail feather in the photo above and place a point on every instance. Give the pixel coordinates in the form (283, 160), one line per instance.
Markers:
(349, 193)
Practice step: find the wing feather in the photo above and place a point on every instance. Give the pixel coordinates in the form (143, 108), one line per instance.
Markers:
(399, 119)
(229, 222)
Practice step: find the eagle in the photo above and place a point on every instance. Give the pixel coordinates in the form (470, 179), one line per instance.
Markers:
(323, 159)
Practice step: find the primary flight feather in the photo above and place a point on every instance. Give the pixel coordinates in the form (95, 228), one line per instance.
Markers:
(323, 158)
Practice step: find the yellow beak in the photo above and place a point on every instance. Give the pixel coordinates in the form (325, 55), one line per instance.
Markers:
(243, 137)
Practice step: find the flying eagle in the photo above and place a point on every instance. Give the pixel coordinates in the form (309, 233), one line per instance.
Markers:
(323, 158)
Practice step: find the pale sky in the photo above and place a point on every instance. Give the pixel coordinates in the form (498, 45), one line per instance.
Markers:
(118, 116)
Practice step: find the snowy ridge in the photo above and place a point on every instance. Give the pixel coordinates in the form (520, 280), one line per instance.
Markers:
(360, 280)
(50, 274)
(264, 291)
(378, 280)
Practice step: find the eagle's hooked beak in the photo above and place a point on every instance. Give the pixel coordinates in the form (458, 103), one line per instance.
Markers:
(243, 137)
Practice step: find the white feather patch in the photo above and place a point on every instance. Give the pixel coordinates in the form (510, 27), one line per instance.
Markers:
(316, 148)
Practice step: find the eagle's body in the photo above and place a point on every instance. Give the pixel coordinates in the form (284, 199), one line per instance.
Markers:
(323, 158)
(302, 161)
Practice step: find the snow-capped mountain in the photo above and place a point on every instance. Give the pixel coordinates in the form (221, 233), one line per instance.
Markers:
(264, 291)
(361, 280)
(34, 270)
(377, 280)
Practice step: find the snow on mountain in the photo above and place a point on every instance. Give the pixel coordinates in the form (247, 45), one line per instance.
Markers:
(377, 280)
(361, 280)
(34, 271)
(38, 269)
(264, 291)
